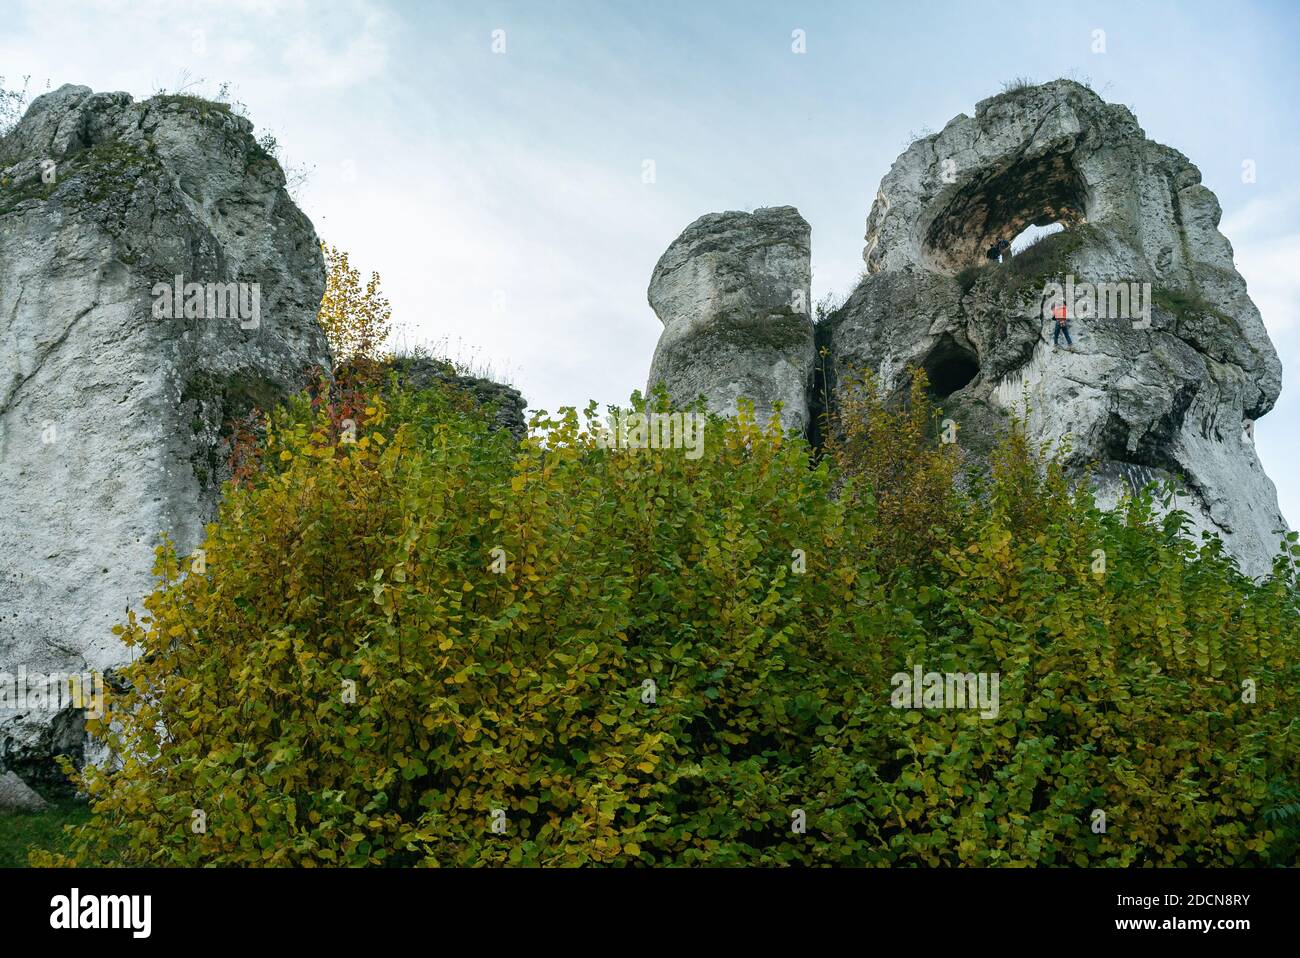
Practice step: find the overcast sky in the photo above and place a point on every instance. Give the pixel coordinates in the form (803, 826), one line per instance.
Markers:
(501, 194)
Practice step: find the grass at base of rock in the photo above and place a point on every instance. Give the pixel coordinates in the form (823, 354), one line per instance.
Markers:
(21, 830)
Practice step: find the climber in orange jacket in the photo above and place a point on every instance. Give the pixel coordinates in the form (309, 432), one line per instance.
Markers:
(1062, 325)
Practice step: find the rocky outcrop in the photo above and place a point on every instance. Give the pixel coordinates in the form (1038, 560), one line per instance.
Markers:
(16, 796)
(114, 390)
(1171, 362)
(733, 294)
(506, 403)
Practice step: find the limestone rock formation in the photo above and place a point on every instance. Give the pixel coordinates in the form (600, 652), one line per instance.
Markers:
(16, 796)
(733, 294)
(1171, 361)
(113, 397)
(1166, 389)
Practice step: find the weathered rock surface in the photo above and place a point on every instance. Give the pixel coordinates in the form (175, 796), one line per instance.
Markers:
(1143, 403)
(733, 294)
(111, 418)
(1168, 390)
(507, 403)
(16, 796)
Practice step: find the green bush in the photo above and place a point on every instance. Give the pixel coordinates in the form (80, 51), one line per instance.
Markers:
(769, 601)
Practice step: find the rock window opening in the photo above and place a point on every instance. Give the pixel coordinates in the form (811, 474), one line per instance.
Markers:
(1042, 195)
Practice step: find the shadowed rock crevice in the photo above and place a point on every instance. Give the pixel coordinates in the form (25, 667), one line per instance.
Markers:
(949, 367)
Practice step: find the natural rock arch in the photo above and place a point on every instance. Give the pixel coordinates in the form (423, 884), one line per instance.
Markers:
(999, 204)
(1160, 398)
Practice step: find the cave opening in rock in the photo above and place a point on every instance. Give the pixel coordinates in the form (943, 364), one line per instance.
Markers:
(949, 367)
(1003, 204)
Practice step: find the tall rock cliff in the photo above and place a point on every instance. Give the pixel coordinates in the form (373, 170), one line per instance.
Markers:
(113, 389)
(1171, 363)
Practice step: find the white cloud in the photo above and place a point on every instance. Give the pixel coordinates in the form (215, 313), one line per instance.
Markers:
(1266, 246)
(316, 60)
(142, 47)
(1272, 271)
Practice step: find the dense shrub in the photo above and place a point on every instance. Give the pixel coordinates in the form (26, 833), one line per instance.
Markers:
(769, 602)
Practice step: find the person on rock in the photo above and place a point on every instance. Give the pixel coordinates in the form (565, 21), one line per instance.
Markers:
(1004, 250)
(1062, 325)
